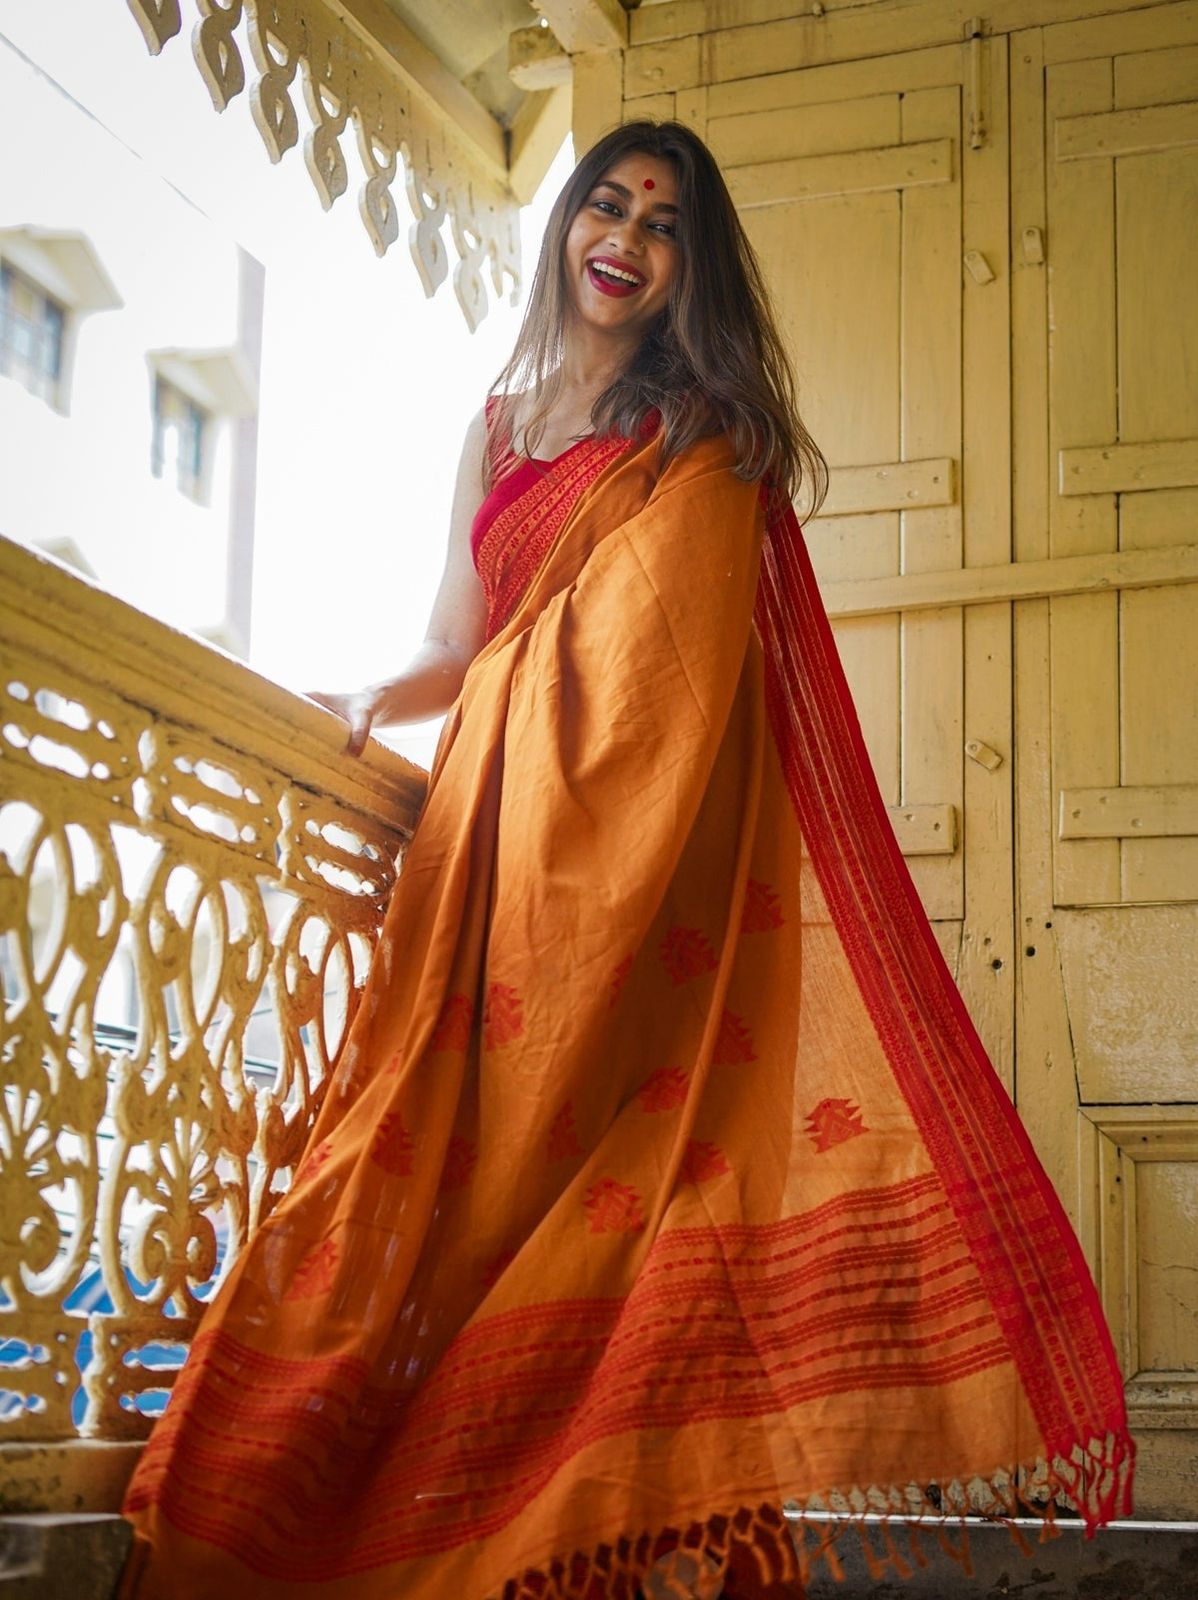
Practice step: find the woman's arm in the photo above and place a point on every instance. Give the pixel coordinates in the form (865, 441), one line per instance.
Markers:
(430, 682)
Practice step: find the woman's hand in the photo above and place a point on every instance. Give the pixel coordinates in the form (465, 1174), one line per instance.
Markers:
(432, 679)
(359, 709)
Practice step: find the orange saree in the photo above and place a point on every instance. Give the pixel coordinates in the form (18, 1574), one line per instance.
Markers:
(663, 1178)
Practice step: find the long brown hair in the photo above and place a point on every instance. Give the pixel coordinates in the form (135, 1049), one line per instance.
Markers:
(713, 361)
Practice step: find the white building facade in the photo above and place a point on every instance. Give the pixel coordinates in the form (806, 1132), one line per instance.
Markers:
(130, 342)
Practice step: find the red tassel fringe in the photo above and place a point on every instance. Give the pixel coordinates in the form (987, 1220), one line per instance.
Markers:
(765, 1553)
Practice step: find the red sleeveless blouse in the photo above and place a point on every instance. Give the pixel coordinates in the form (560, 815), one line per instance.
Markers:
(518, 523)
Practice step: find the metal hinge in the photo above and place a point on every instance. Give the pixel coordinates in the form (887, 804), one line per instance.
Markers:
(975, 30)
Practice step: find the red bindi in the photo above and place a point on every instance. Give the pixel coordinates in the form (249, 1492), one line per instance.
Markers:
(649, 184)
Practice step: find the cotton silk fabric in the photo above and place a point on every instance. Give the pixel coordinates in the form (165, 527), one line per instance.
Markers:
(662, 1178)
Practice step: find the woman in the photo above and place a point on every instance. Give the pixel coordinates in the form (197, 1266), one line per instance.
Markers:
(662, 1178)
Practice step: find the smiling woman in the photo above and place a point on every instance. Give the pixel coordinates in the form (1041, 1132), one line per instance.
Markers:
(663, 1178)
(692, 342)
(625, 239)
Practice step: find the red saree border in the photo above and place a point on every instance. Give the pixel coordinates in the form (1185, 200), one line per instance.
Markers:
(1015, 1258)
(519, 522)
(1044, 1297)
(769, 1350)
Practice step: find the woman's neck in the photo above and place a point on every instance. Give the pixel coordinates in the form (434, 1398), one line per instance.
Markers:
(592, 360)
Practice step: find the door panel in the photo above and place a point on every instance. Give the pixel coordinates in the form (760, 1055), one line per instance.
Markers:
(856, 205)
(982, 257)
(1105, 163)
(1123, 214)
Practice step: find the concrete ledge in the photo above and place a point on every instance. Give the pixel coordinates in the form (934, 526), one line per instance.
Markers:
(65, 1474)
(1125, 1561)
(52, 1557)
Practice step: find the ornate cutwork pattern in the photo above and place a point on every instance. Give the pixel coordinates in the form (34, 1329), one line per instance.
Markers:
(184, 931)
(343, 82)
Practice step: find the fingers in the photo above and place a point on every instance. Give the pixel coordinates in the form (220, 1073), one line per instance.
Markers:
(358, 711)
(360, 722)
(329, 700)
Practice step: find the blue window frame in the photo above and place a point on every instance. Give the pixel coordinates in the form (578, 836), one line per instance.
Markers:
(180, 440)
(32, 326)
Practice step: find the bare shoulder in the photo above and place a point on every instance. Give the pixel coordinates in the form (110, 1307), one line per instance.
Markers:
(474, 445)
(470, 487)
(474, 441)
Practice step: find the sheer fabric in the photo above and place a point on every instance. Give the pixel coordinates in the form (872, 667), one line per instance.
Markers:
(663, 1178)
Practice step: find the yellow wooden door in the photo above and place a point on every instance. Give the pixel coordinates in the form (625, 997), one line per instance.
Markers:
(984, 257)
(1105, 301)
(883, 231)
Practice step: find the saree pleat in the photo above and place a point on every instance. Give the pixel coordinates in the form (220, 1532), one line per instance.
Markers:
(662, 1178)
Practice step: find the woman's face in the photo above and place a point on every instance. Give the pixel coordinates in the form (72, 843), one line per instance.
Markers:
(621, 251)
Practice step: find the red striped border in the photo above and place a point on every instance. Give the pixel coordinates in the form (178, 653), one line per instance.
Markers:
(1044, 1297)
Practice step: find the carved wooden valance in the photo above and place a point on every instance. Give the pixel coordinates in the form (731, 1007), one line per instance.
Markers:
(405, 113)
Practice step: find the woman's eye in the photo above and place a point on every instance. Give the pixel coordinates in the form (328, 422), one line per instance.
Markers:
(606, 205)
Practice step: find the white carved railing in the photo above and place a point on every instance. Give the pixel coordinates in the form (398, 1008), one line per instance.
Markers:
(192, 876)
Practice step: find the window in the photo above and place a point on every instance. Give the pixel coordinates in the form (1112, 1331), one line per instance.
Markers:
(180, 438)
(32, 326)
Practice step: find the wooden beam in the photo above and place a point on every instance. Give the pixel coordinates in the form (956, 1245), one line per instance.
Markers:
(757, 38)
(890, 486)
(1013, 580)
(536, 59)
(1129, 132)
(586, 25)
(898, 166)
(1112, 468)
(598, 95)
(925, 830)
(381, 31)
(539, 130)
(1129, 811)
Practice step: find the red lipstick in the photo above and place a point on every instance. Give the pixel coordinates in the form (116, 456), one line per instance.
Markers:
(608, 282)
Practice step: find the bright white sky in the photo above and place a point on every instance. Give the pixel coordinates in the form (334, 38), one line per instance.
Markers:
(367, 387)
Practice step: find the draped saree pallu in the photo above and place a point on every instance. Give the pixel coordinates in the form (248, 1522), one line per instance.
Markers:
(663, 1179)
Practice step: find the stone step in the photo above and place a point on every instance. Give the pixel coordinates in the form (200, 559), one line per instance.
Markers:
(61, 1556)
(1124, 1561)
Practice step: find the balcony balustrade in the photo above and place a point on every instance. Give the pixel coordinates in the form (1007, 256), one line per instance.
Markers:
(192, 877)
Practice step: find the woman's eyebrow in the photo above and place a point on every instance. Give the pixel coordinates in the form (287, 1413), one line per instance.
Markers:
(626, 194)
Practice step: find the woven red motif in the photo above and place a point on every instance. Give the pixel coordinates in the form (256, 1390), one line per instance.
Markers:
(327, 1472)
(503, 1019)
(613, 1207)
(314, 1275)
(734, 1043)
(618, 977)
(313, 1161)
(452, 1031)
(563, 1141)
(392, 1148)
(687, 953)
(460, 1159)
(798, 1295)
(1063, 1352)
(762, 910)
(795, 1294)
(664, 1091)
(392, 1068)
(834, 1121)
(702, 1161)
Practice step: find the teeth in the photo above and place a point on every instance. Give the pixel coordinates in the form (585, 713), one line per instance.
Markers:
(614, 272)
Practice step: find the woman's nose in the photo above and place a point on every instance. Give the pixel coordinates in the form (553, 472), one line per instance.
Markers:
(625, 233)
